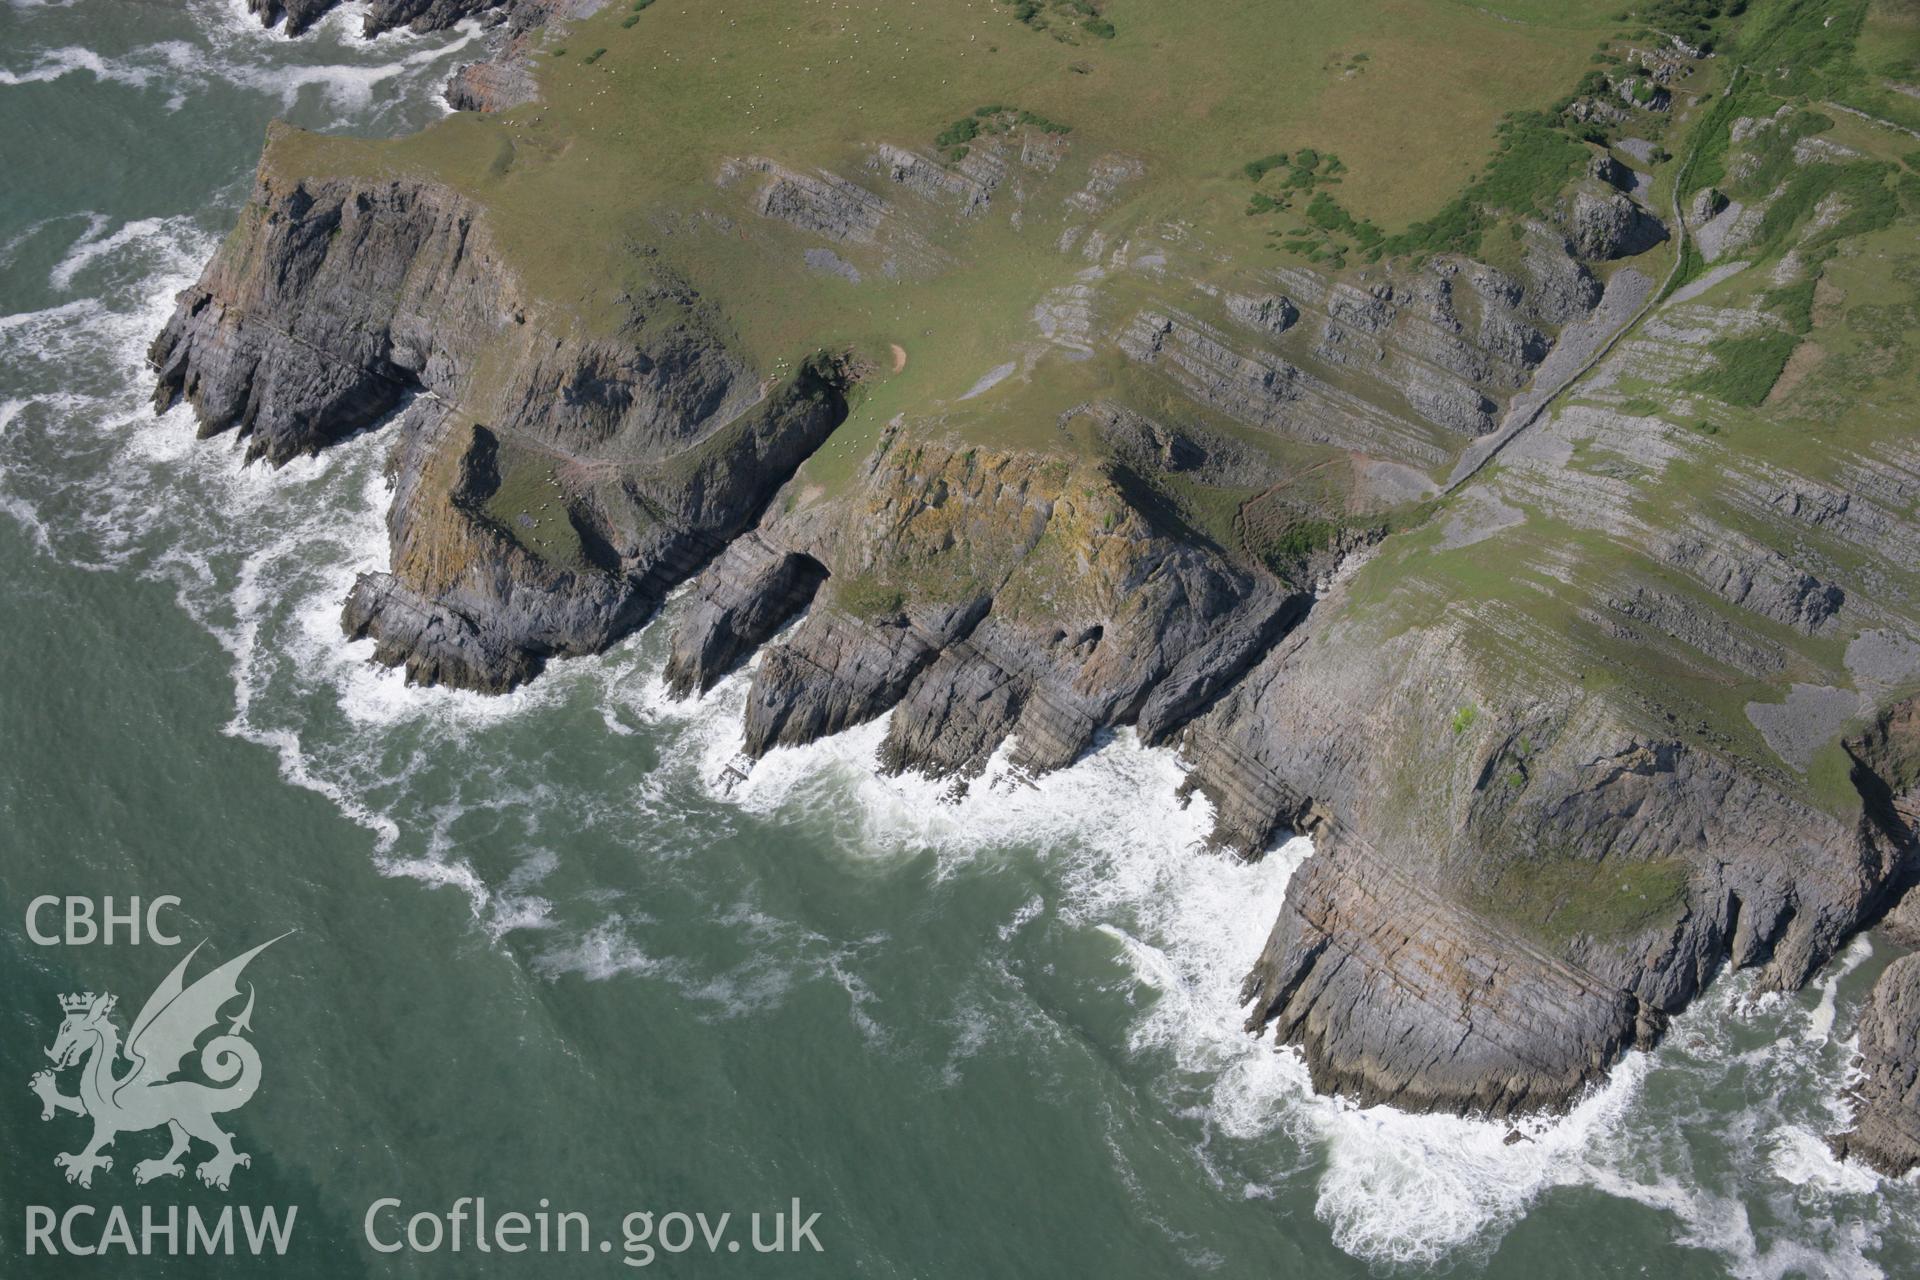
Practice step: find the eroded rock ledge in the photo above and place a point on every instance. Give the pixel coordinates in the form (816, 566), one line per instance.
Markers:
(629, 460)
(1396, 995)
(1057, 610)
(1494, 913)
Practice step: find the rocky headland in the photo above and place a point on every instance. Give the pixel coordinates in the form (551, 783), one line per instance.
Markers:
(1631, 706)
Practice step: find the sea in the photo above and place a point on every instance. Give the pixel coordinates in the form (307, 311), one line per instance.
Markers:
(561, 953)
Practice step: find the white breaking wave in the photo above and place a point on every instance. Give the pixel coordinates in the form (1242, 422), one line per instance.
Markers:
(1398, 1189)
(226, 46)
(185, 68)
(93, 244)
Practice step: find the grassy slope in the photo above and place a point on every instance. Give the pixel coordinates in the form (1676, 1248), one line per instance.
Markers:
(621, 149)
(1521, 598)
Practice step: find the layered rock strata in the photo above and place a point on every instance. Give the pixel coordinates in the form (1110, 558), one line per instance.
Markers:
(546, 512)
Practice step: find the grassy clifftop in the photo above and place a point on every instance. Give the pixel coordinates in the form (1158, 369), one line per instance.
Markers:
(1747, 452)
(1137, 154)
(606, 185)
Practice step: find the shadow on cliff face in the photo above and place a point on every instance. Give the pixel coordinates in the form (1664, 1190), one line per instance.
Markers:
(527, 556)
(616, 467)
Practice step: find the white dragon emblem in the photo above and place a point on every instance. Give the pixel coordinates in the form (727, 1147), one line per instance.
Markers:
(146, 1097)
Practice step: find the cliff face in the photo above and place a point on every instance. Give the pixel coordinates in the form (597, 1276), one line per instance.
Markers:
(328, 305)
(549, 492)
(1580, 876)
(1886, 1127)
(985, 595)
(1395, 994)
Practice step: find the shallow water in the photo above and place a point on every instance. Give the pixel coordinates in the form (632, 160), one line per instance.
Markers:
(546, 949)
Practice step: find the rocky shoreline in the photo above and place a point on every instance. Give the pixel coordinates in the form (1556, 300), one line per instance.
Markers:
(1519, 874)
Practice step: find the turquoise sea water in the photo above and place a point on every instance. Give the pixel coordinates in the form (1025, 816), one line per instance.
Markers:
(546, 949)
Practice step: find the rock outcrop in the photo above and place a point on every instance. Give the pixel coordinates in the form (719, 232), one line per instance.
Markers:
(1060, 608)
(547, 514)
(422, 16)
(1538, 890)
(469, 603)
(1605, 168)
(328, 305)
(1395, 995)
(751, 592)
(1707, 204)
(494, 84)
(381, 15)
(1611, 225)
(300, 15)
(1886, 1123)
(1537, 834)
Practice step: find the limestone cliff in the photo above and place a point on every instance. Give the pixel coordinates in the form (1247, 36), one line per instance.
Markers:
(548, 490)
(987, 595)
(1582, 871)
(1886, 1127)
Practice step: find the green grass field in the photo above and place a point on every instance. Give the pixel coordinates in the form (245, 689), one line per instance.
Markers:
(1825, 380)
(575, 183)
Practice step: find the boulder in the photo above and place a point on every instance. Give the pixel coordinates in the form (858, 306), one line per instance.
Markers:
(1604, 227)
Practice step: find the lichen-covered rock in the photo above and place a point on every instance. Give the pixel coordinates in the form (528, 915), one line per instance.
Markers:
(1058, 609)
(1605, 227)
(1604, 168)
(481, 598)
(1496, 910)
(1521, 869)
(466, 604)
